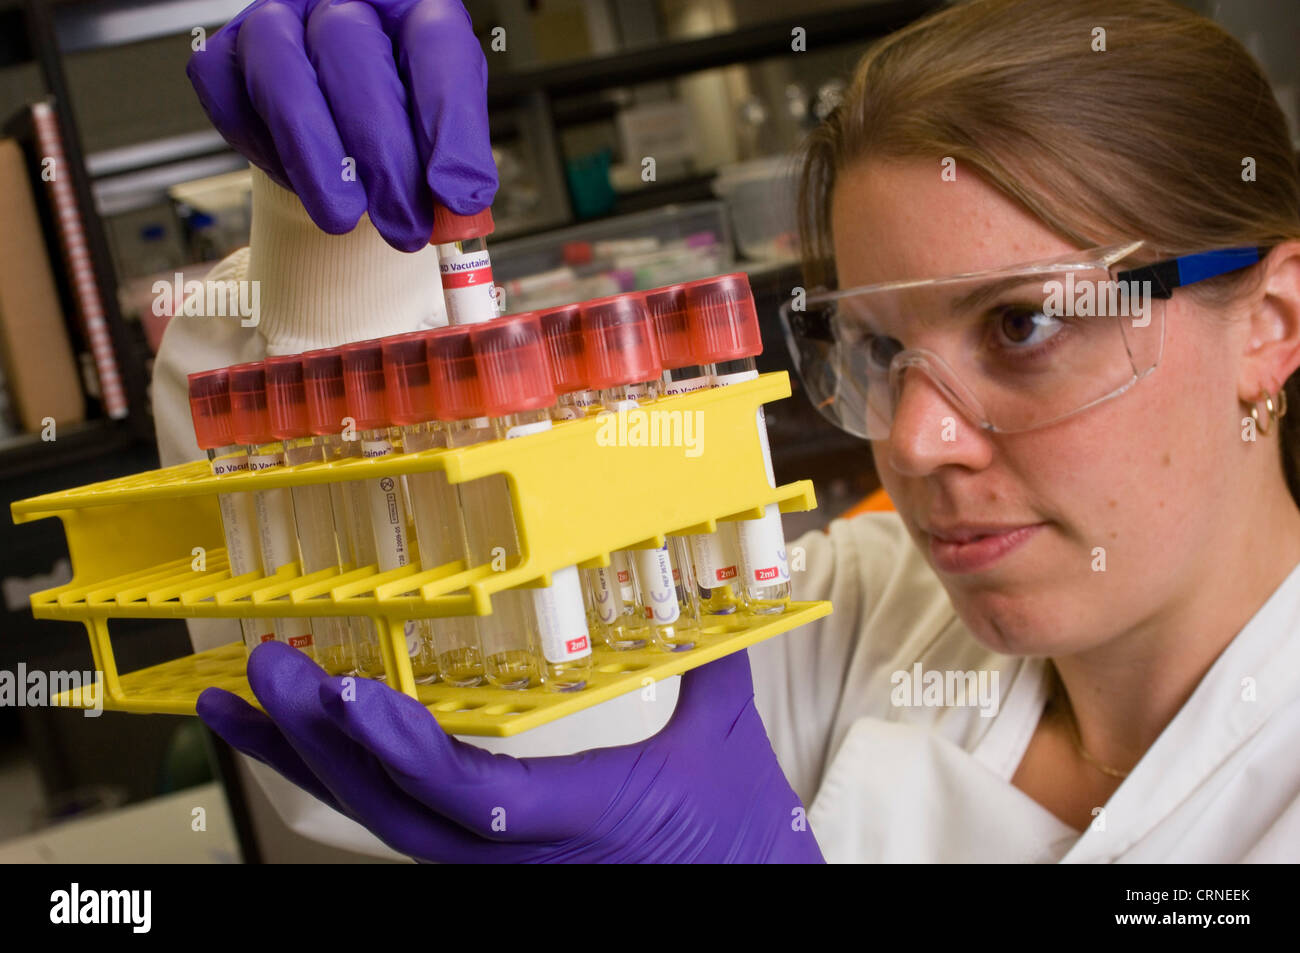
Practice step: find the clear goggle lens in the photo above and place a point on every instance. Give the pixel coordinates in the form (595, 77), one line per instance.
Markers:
(1011, 350)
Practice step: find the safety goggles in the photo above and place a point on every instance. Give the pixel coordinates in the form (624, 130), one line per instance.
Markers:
(1014, 349)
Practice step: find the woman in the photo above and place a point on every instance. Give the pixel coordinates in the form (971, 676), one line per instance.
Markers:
(1097, 534)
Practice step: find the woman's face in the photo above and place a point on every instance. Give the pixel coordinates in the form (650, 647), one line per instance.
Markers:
(1119, 506)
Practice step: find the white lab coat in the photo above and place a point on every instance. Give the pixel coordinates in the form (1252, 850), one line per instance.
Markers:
(882, 781)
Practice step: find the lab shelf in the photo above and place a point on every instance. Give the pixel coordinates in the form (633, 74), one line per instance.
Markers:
(150, 546)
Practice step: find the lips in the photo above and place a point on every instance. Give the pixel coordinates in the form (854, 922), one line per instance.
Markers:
(968, 547)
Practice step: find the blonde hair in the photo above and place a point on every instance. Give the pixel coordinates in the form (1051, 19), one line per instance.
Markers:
(1148, 138)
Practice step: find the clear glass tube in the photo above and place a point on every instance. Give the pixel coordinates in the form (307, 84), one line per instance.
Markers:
(559, 612)
(278, 538)
(576, 405)
(394, 536)
(440, 539)
(665, 588)
(510, 657)
(356, 549)
(616, 615)
(239, 527)
(715, 557)
(318, 543)
(761, 541)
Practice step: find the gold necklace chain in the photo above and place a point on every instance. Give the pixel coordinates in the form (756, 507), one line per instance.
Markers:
(1083, 753)
(1062, 704)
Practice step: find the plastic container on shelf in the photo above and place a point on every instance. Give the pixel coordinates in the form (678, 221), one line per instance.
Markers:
(626, 253)
(576, 498)
(761, 199)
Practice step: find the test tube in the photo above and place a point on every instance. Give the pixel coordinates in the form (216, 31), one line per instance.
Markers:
(213, 429)
(276, 525)
(390, 521)
(562, 332)
(714, 556)
(313, 508)
(435, 508)
(327, 416)
(725, 334)
(623, 363)
(505, 635)
(515, 382)
(465, 265)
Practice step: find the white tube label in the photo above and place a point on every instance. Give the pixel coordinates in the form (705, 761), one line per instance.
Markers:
(762, 548)
(608, 605)
(762, 541)
(467, 287)
(387, 512)
(686, 386)
(413, 641)
(274, 518)
(561, 613)
(715, 562)
(561, 617)
(523, 430)
(722, 380)
(279, 539)
(623, 572)
(654, 575)
(238, 519)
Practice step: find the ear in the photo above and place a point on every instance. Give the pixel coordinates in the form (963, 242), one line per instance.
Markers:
(1272, 351)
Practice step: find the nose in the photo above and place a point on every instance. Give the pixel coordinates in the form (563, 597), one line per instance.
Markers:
(931, 430)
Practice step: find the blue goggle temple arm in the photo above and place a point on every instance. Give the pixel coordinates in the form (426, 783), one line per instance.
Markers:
(1173, 273)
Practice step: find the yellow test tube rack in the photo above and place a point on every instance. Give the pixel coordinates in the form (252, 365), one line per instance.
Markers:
(150, 545)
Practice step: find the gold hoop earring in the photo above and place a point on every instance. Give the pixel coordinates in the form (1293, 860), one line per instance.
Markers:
(1272, 411)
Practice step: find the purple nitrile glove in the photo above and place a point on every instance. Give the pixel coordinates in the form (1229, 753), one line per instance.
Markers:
(302, 86)
(707, 788)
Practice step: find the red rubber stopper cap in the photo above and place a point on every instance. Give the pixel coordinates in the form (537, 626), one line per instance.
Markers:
(562, 332)
(210, 408)
(363, 381)
(406, 377)
(453, 375)
(322, 377)
(286, 398)
(450, 227)
(672, 327)
(724, 323)
(251, 422)
(619, 343)
(513, 371)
